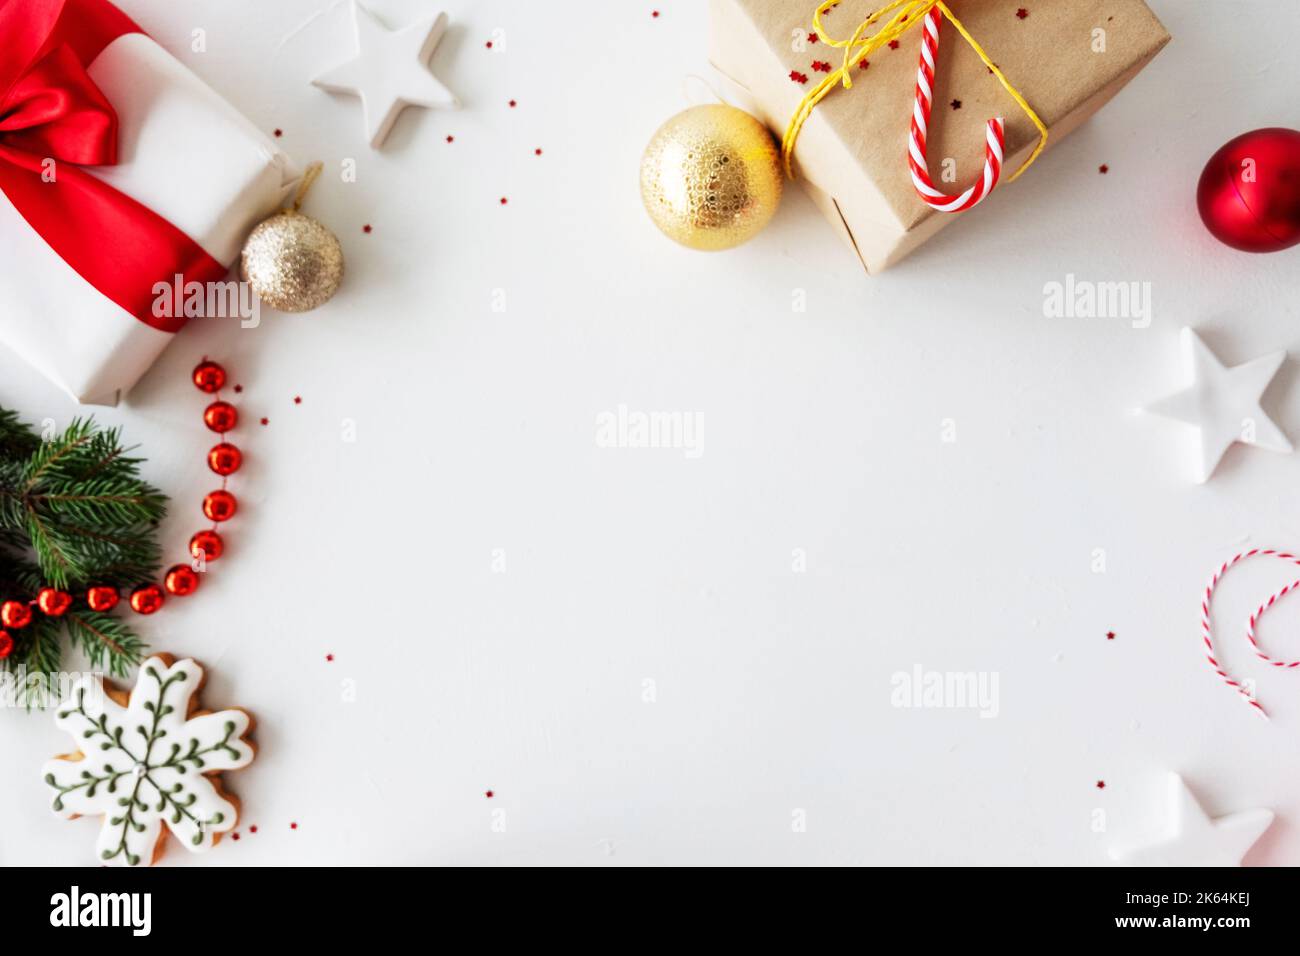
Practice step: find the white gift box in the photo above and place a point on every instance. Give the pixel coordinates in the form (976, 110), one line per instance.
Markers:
(188, 155)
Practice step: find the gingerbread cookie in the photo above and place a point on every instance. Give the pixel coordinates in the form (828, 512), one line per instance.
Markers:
(147, 759)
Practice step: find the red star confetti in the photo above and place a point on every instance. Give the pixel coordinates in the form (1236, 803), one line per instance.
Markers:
(1110, 635)
(266, 421)
(514, 103)
(655, 14)
(1022, 13)
(252, 829)
(329, 657)
(279, 133)
(798, 77)
(489, 794)
(293, 826)
(812, 38)
(537, 152)
(238, 389)
(1101, 784)
(489, 44)
(367, 228)
(297, 399)
(893, 44)
(504, 200)
(451, 139)
(863, 64)
(1103, 169)
(234, 836)
(956, 104)
(821, 66)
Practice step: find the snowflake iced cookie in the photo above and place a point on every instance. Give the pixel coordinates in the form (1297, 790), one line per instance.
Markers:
(146, 759)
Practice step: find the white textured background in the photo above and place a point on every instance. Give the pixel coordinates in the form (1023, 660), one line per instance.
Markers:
(476, 431)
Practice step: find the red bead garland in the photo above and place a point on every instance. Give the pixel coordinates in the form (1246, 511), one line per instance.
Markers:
(220, 417)
(219, 505)
(180, 580)
(206, 545)
(225, 459)
(209, 377)
(147, 599)
(15, 614)
(53, 602)
(102, 598)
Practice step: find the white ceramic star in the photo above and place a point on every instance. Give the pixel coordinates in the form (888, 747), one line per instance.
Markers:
(1193, 839)
(1223, 403)
(390, 71)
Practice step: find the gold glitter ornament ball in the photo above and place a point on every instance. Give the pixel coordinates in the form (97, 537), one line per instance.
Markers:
(292, 262)
(711, 177)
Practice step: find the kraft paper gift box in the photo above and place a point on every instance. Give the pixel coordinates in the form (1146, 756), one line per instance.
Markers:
(1067, 57)
(181, 151)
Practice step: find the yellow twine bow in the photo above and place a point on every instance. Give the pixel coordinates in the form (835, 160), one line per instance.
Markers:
(906, 14)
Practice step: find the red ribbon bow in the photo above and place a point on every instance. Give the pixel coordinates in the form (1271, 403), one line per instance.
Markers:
(54, 120)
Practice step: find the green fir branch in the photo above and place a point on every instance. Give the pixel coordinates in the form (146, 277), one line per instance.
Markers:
(104, 638)
(74, 513)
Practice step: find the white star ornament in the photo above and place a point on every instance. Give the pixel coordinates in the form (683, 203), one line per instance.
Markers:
(390, 71)
(1193, 839)
(1223, 404)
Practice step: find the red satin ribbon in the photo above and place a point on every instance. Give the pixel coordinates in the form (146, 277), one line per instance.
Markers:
(50, 109)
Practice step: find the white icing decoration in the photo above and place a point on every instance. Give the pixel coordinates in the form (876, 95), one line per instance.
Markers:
(145, 764)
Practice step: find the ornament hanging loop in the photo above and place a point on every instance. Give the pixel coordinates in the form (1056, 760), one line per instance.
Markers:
(310, 176)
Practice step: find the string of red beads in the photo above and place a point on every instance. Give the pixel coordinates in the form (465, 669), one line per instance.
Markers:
(180, 579)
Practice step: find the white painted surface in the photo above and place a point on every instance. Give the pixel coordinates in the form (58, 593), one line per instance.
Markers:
(822, 431)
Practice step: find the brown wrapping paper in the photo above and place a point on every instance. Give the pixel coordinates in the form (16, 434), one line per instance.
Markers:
(1067, 57)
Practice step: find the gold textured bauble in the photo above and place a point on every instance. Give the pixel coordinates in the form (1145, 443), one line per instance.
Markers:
(711, 177)
(292, 262)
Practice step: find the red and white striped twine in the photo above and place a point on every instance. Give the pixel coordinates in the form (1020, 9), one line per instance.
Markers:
(1206, 634)
(920, 124)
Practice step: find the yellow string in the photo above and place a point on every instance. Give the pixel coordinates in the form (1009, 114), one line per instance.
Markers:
(308, 178)
(909, 13)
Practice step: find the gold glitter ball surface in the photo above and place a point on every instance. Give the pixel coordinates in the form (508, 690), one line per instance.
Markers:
(292, 262)
(711, 177)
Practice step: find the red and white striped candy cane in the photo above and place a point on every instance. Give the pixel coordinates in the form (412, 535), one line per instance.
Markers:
(920, 124)
(1206, 631)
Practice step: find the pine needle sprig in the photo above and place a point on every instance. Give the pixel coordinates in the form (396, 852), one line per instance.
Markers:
(104, 638)
(74, 513)
(17, 441)
(85, 508)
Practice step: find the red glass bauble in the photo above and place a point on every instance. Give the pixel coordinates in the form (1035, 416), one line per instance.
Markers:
(209, 377)
(53, 602)
(225, 459)
(220, 416)
(147, 599)
(102, 598)
(206, 546)
(6, 644)
(1249, 193)
(219, 505)
(15, 614)
(181, 580)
